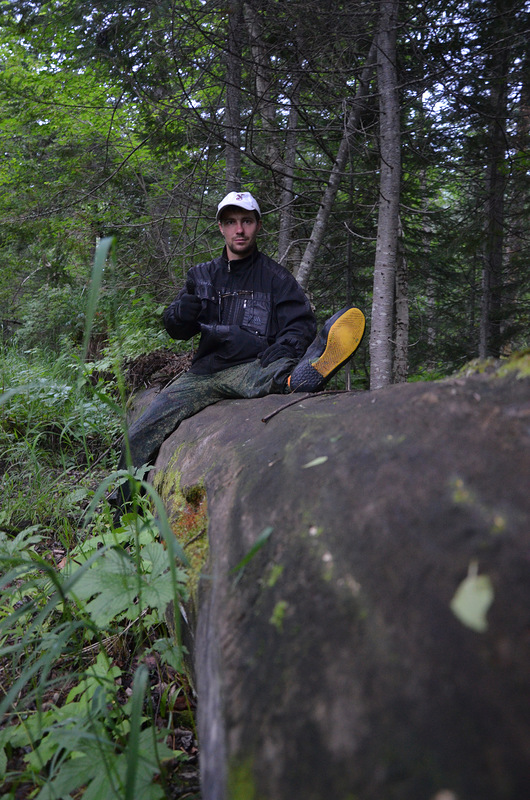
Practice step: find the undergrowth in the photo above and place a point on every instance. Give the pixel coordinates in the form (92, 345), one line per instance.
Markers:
(95, 702)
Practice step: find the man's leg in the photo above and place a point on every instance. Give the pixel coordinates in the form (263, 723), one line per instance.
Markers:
(180, 399)
(332, 348)
(251, 380)
(184, 397)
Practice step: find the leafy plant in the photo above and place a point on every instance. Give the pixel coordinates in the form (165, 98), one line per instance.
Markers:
(53, 428)
(46, 619)
(123, 584)
(82, 614)
(52, 318)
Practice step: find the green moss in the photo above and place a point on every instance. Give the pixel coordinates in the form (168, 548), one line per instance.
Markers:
(194, 495)
(185, 719)
(498, 525)
(495, 521)
(188, 518)
(241, 784)
(461, 494)
(278, 614)
(517, 364)
(477, 366)
(392, 440)
(274, 575)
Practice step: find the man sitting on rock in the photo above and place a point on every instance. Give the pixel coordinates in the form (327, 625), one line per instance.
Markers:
(257, 335)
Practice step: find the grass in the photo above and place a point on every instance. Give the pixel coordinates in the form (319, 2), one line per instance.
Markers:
(94, 699)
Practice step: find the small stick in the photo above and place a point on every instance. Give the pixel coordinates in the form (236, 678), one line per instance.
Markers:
(304, 397)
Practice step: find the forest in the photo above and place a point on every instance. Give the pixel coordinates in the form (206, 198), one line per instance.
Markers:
(388, 145)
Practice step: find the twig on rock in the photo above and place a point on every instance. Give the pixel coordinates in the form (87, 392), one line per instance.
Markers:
(303, 397)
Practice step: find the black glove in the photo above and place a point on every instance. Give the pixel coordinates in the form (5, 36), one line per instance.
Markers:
(189, 307)
(274, 352)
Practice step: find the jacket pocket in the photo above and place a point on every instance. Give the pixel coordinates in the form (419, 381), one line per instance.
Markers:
(256, 313)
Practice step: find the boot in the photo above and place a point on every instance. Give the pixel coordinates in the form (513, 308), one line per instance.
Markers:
(333, 346)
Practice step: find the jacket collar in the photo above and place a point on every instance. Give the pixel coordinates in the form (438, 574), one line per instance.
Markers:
(240, 263)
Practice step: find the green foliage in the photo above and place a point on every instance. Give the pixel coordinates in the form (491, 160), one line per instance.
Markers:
(138, 328)
(47, 618)
(52, 428)
(52, 318)
(106, 133)
(124, 581)
(80, 607)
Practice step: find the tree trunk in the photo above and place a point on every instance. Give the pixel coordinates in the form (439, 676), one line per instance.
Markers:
(287, 181)
(388, 219)
(281, 168)
(233, 95)
(489, 344)
(515, 262)
(330, 193)
(265, 103)
(430, 283)
(401, 358)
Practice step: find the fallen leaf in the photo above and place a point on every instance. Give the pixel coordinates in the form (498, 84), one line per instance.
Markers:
(315, 462)
(472, 601)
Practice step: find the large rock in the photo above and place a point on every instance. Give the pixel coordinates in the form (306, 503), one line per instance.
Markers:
(376, 644)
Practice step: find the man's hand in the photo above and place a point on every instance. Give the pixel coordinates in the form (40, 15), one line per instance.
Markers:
(189, 307)
(274, 352)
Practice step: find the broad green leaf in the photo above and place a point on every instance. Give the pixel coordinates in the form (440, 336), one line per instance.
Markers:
(114, 588)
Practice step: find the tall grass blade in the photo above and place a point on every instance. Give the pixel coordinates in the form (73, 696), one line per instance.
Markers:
(133, 745)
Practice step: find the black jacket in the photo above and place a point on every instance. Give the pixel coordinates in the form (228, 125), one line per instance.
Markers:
(247, 305)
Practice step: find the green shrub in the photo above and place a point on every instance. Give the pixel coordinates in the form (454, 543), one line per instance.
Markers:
(69, 724)
(82, 606)
(54, 317)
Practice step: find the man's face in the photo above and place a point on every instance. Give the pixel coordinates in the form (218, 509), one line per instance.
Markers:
(239, 229)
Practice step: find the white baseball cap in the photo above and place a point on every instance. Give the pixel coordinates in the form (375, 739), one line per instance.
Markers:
(239, 199)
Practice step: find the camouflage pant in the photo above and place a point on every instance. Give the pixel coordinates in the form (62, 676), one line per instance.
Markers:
(189, 394)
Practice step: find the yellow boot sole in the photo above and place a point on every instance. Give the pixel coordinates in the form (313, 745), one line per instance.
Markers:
(343, 339)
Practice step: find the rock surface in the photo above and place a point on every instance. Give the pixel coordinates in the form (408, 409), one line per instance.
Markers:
(363, 620)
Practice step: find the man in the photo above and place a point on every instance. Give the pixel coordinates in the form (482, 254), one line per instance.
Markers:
(256, 327)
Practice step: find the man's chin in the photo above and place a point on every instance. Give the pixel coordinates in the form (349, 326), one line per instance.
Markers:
(242, 251)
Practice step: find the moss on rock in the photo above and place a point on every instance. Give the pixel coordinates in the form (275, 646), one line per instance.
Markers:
(187, 509)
